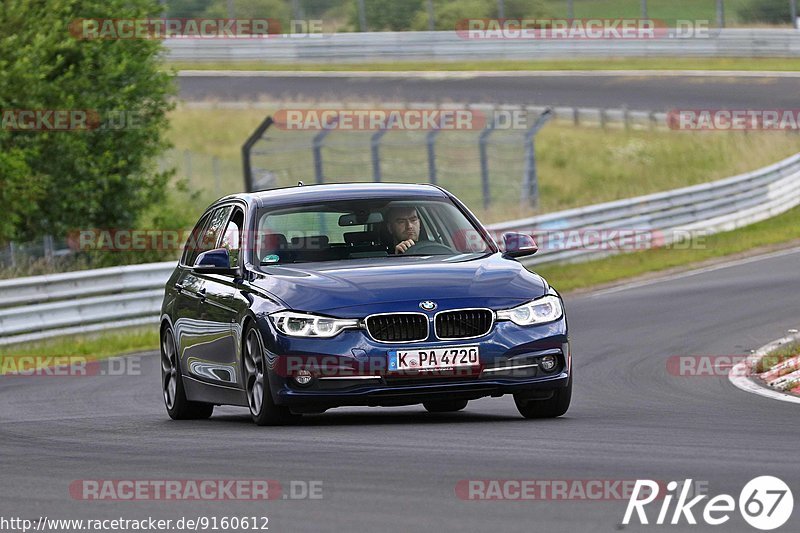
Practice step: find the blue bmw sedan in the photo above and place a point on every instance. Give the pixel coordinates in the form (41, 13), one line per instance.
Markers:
(298, 300)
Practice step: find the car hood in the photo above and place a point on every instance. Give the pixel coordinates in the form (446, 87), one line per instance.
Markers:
(391, 284)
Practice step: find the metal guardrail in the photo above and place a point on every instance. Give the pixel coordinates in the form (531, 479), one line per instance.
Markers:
(706, 208)
(38, 307)
(450, 46)
(47, 306)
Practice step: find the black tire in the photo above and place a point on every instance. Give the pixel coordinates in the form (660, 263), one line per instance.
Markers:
(445, 406)
(178, 407)
(263, 409)
(553, 407)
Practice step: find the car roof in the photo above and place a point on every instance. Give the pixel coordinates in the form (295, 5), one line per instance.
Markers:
(336, 191)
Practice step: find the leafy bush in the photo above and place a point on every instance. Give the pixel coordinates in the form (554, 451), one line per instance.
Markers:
(104, 177)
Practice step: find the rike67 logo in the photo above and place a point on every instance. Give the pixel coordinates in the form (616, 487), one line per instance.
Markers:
(765, 503)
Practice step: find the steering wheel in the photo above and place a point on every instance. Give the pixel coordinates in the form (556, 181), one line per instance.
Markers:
(429, 248)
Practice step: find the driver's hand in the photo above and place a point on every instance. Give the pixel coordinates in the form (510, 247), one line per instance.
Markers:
(403, 246)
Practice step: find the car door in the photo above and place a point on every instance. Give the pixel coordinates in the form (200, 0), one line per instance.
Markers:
(196, 333)
(185, 287)
(221, 303)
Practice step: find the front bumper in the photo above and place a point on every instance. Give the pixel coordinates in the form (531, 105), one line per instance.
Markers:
(381, 394)
(351, 369)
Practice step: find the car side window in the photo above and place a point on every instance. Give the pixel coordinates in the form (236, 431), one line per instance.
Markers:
(211, 233)
(191, 250)
(232, 237)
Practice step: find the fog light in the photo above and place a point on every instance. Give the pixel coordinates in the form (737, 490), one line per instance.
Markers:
(303, 377)
(548, 363)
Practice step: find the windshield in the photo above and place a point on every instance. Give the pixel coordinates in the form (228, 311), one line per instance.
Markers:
(358, 229)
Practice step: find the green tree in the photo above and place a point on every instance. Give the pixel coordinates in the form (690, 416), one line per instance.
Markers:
(102, 177)
(18, 192)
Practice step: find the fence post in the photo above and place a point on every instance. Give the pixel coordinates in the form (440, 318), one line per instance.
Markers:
(530, 179)
(721, 13)
(375, 147)
(247, 147)
(644, 9)
(431, 17)
(362, 16)
(297, 13)
(570, 9)
(12, 254)
(47, 245)
(319, 140)
(430, 140)
(482, 141)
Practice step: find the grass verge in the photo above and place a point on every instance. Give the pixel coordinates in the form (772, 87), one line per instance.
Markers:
(89, 346)
(774, 231)
(656, 63)
(777, 357)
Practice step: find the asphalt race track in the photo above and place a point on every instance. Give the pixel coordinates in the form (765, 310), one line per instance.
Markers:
(396, 469)
(636, 92)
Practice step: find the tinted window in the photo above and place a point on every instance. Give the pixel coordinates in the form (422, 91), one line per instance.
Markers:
(232, 237)
(210, 236)
(357, 229)
(190, 249)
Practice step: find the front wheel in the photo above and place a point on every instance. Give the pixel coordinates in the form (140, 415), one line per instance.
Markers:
(263, 409)
(178, 407)
(553, 407)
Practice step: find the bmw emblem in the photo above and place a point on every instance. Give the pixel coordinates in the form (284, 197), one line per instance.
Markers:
(428, 305)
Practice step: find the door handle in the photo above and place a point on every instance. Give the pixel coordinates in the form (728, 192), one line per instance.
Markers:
(202, 293)
(179, 287)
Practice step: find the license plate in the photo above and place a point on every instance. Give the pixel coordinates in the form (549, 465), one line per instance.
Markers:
(443, 357)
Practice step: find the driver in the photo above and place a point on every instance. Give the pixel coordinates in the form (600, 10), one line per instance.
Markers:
(403, 225)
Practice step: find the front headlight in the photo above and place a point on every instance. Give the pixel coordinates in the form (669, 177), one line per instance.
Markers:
(541, 311)
(305, 325)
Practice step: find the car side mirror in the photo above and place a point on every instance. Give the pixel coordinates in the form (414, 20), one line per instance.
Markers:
(216, 261)
(519, 245)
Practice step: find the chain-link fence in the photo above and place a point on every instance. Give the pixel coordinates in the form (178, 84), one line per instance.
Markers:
(492, 167)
